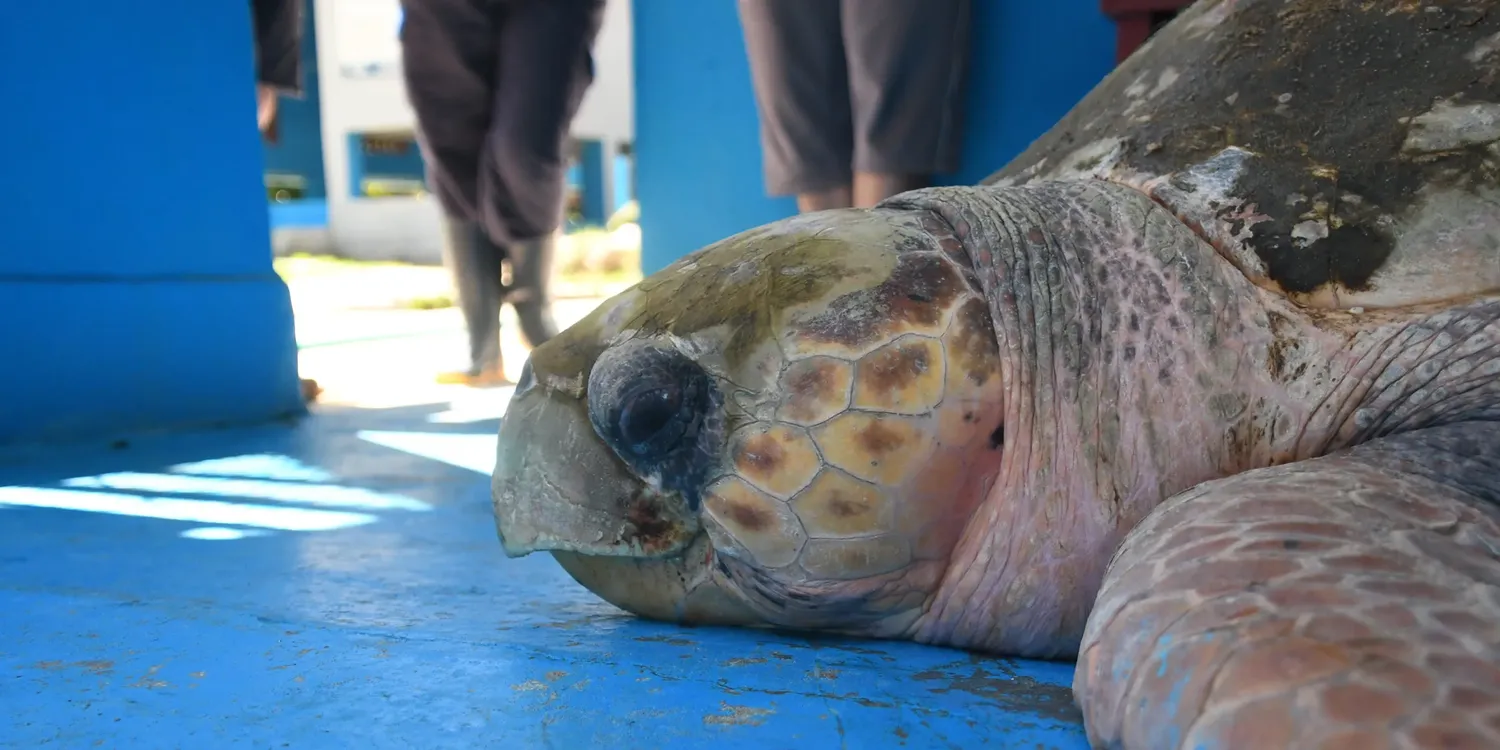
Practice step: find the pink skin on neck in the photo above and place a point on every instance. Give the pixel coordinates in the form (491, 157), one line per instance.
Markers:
(1137, 363)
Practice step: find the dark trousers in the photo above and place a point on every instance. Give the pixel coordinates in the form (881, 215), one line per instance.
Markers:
(278, 43)
(495, 85)
(856, 85)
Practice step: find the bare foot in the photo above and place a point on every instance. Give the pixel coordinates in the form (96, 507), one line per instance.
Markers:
(310, 390)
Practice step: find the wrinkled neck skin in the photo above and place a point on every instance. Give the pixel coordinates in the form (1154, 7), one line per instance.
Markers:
(1138, 363)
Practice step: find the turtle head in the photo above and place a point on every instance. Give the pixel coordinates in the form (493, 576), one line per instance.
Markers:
(789, 427)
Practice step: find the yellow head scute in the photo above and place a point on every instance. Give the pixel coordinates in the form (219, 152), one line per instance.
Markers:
(814, 389)
(905, 376)
(750, 523)
(879, 448)
(777, 458)
(837, 505)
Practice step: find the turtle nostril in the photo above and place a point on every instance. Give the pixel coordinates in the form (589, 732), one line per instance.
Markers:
(997, 438)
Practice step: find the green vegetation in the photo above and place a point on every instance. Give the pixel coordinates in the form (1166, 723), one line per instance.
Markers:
(436, 302)
(589, 263)
(630, 213)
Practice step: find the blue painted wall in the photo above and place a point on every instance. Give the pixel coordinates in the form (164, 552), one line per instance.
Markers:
(595, 194)
(697, 136)
(624, 180)
(135, 265)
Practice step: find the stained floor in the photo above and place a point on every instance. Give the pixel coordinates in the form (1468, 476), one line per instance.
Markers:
(337, 583)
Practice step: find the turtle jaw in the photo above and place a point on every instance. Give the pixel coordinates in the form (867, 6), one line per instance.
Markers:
(679, 589)
(558, 488)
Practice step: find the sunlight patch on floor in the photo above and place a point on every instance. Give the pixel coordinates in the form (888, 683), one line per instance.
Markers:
(255, 493)
(473, 452)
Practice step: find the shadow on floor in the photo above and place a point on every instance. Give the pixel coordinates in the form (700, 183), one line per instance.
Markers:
(337, 583)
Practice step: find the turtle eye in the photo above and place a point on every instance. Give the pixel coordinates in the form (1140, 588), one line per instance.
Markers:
(650, 416)
(659, 412)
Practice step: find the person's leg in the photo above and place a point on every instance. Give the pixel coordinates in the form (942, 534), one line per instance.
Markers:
(530, 287)
(801, 83)
(543, 67)
(475, 262)
(448, 63)
(278, 71)
(908, 69)
(448, 49)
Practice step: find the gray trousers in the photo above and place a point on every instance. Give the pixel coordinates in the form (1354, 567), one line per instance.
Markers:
(495, 85)
(856, 85)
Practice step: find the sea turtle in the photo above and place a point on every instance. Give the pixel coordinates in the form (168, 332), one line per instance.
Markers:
(1200, 390)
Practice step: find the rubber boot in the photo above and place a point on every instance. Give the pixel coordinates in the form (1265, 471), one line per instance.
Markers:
(475, 263)
(530, 287)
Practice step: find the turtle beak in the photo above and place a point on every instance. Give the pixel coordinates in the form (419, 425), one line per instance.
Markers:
(558, 487)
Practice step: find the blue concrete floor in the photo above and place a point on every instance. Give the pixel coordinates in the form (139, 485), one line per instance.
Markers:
(302, 586)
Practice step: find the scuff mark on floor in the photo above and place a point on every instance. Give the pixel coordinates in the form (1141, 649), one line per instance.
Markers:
(149, 681)
(666, 639)
(94, 666)
(994, 680)
(742, 662)
(732, 715)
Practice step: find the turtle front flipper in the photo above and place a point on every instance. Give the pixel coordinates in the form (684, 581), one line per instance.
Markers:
(1351, 601)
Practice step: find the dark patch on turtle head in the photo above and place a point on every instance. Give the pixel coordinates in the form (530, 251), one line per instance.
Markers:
(815, 388)
(749, 517)
(893, 368)
(758, 456)
(810, 378)
(916, 295)
(879, 440)
(660, 412)
(846, 507)
(972, 348)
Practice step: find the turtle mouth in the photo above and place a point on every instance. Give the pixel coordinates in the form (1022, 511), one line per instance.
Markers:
(679, 588)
